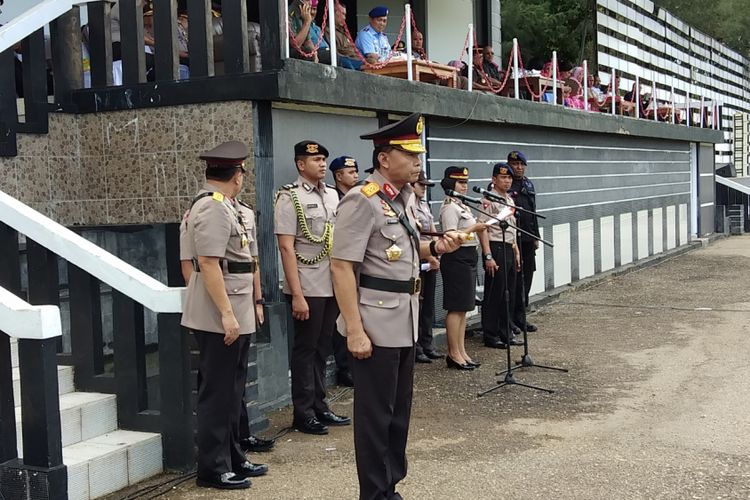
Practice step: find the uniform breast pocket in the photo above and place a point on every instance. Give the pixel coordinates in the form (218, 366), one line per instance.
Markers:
(315, 221)
(238, 284)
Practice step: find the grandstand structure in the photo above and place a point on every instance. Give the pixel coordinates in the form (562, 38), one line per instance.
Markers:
(638, 38)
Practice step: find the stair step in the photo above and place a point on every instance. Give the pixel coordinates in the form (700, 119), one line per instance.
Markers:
(83, 416)
(110, 462)
(64, 382)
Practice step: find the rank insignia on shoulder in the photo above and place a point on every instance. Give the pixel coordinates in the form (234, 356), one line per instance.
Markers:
(218, 197)
(370, 189)
(246, 205)
(289, 186)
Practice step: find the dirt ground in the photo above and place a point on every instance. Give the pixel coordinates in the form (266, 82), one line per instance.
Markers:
(656, 404)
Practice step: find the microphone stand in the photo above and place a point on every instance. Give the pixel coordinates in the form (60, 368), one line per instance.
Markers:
(526, 360)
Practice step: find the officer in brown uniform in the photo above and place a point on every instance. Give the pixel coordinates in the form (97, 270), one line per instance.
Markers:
(501, 260)
(219, 310)
(375, 264)
(248, 441)
(304, 214)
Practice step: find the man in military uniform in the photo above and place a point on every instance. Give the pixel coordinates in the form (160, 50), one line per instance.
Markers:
(501, 260)
(375, 267)
(523, 193)
(249, 442)
(304, 214)
(372, 41)
(345, 172)
(219, 309)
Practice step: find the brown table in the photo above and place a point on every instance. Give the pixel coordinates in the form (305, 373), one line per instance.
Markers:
(422, 71)
(537, 83)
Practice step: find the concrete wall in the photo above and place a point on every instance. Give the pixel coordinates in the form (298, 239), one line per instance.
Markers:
(447, 25)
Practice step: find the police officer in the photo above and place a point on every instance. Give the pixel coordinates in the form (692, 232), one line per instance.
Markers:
(376, 234)
(523, 193)
(303, 222)
(501, 261)
(219, 310)
(345, 172)
(372, 41)
(248, 442)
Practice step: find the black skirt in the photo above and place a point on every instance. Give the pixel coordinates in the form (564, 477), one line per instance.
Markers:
(459, 271)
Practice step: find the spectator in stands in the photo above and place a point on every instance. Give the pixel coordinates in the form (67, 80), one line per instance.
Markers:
(417, 45)
(489, 65)
(307, 42)
(347, 53)
(481, 81)
(573, 90)
(372, 40)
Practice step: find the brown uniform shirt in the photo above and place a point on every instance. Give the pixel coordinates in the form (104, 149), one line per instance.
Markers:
(343, 45)
(319, 206)
(364, 230)
(213, 229)
(455, 216)
(494, 231)
(424, 216)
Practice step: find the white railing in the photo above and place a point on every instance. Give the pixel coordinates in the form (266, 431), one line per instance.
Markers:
(21, 320)
(96, 261)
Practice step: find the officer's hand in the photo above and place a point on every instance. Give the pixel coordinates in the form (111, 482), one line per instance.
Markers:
(259, 318)
(434, 263)
(518, 261)
(359, 344)
(300, 309)
(490, 266)
(231, 328)
(450, 241)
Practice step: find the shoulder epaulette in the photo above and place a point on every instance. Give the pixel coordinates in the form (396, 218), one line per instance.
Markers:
(214, 195)
(289, 186)
(330, 186)
(370, 189)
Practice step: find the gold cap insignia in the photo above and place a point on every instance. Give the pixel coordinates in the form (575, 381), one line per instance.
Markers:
(350, 162)
(420, 126)
(514, 155)
(503, 171)
(466, 171)
(312, 148)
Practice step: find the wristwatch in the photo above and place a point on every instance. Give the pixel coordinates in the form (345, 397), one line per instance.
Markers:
(260, 302)
(488, 256)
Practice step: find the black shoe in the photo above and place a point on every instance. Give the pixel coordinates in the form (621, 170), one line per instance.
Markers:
(422, 358)
(330, 418)
(515, 330)
(495, 343)
(516, 341)
(256, 444)
(226, 481)
(249, 469)
(345, 379)
(457, 366)
(531, 328)
(434, 354)
(474, 364)
(310, 425)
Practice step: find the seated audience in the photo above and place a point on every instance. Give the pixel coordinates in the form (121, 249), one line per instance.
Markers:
(307, 35)
(347, 53)
(372, 41)
(490, 67)
(481, 81)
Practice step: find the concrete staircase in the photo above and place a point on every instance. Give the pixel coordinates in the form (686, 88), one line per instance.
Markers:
(99, 457)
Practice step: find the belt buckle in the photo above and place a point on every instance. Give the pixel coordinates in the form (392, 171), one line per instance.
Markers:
(416, 286)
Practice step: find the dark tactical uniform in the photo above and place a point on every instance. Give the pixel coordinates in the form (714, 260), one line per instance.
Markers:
(429, 280)
(307, 212)
(524, 195)
(385, 251)
(215, 228)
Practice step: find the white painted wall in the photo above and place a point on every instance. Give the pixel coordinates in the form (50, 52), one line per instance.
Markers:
(447, 23)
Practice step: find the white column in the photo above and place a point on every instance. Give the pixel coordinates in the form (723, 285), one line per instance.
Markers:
(470, 72)
(654, 99)
(672, 97)
(332, 31)
(637, 92)
(409, 69)
(515, 67)
(612, 90)
(554, 78)
(285, 13)
(703, 104)
(585, 85)
(688, 118)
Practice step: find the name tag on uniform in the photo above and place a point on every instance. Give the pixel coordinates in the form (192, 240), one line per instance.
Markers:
(312, 205)
(391, 221)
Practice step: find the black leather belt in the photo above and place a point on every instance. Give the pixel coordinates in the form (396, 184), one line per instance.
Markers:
(231, 267)
(412, 286)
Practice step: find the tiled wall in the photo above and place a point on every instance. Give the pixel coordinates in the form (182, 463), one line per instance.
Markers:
(124, 167)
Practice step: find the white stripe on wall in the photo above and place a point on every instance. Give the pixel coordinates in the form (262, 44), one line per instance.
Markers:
(561, 146)
(495, 160)
(684, 229)
(585, 248)
(671, 228)
(537, 284)
(618, 188)
(658, 230)
(707, 204)
(561, 254)
(626, 238)
(607, 242)
(643, 235)
(613, 202)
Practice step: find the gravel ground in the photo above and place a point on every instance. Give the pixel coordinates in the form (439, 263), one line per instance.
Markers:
(656, 404)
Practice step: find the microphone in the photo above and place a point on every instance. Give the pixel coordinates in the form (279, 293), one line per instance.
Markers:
(461, 197)
(489, 194)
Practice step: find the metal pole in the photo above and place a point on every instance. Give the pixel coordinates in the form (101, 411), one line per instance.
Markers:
(554, 78)
(612, 90)
(585, 85)
(470, 72)
(515, 68)
(286, 22)
(671, 95)
(637, 96)
(332, 31)
(656, 102)
(703, 104)
(409, 69)
(688, 111)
